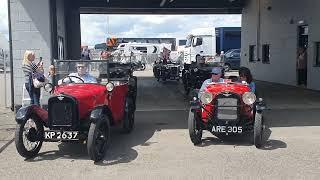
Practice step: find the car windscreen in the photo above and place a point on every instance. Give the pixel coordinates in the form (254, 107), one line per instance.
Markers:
(89, 71)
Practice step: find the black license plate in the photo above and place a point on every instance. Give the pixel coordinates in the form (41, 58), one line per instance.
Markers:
(61, 135)
(227, 129)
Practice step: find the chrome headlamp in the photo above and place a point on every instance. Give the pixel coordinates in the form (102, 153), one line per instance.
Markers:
(110, 87)
(48, 87)
(249, 98)
(206, 98)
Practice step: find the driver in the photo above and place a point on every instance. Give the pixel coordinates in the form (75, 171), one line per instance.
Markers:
(216, 74)
(82, 74)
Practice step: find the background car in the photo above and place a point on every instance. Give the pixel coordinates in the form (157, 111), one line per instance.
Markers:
(232, 59)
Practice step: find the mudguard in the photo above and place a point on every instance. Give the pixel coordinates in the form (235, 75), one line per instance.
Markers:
(26, 112)
(98, 111)
(194, 106)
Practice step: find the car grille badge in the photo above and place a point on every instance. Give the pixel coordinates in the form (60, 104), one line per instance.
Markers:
(60, 97)
(227, 94)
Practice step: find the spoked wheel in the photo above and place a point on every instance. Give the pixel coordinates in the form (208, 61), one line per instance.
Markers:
(29, 137)
(258, 130)
(98, 138)
(195, 130)
(128, 121)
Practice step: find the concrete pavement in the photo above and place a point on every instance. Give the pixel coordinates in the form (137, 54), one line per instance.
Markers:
(160, 148)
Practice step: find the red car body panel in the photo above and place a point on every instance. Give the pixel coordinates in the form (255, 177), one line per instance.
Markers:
(237, 88)
(90, 96)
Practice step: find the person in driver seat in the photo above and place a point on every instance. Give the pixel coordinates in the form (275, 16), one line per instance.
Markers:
(81, 73)
(216, 74)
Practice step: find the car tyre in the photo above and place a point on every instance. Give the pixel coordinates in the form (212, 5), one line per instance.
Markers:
(98, 138)
(143, 66)
(195, 130)
(128, 120)
(34, 135)
(258, 130)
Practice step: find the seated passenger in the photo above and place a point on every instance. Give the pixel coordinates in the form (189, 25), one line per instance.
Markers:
(245, 75)
(81, 73)
(216, 74)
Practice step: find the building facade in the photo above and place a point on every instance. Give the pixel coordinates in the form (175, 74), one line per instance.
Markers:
(272, 31)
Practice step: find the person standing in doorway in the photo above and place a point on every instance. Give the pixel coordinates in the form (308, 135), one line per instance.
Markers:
(302, 66)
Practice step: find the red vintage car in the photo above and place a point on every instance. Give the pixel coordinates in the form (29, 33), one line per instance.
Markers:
(81, 107)
(225, 109)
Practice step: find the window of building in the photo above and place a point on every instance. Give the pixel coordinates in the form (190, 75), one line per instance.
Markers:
(266, 53)
(317, 53)
(251, 53)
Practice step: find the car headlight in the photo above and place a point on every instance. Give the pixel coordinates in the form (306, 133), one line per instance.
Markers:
(110, 87)
(249, 98)
(48, 87)
(206, 98)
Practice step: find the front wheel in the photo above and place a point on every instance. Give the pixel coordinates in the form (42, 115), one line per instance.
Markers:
(98, 138)
(29, 137)
(258, 130)
(195, 130)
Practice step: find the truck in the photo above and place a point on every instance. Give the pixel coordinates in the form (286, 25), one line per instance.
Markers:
(210, 42)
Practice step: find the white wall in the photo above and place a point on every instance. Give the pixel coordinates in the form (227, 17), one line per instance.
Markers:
(277, 30)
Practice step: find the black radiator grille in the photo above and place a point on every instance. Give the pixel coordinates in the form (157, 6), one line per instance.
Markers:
(61, 114)
(63, 111)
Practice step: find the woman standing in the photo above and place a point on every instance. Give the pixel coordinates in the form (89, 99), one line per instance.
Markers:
(29, 69)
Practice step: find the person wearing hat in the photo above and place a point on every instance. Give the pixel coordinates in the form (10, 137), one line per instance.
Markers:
(82, 74)
(216, 74)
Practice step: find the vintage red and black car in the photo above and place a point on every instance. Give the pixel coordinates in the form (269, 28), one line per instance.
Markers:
(224, 109)
(79, 111)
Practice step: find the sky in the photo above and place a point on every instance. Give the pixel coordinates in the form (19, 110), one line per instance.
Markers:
(94, 27)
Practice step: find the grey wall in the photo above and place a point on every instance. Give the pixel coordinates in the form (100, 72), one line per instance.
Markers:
(30, 21)
(277, 30)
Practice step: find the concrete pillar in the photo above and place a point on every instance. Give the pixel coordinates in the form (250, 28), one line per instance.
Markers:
(73, 30)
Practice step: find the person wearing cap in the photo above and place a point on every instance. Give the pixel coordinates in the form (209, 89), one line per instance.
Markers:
(81, 73)
(216, 74)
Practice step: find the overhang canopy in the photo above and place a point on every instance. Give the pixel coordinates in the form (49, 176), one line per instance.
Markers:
(161, 6)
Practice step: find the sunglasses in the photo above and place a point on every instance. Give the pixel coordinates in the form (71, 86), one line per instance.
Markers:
(214, 74)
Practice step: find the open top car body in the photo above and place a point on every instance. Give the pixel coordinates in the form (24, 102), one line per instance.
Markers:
(227, 108)
(79, 110)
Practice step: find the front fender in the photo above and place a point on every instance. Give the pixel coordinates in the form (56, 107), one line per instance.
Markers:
(195, 106)
(98, 112)
(34, 111)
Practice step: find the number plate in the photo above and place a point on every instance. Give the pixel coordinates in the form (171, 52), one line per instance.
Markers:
(61, 135)
(227, 129)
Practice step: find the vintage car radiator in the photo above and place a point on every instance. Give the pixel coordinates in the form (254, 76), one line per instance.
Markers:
(227, 107)
(63, 112)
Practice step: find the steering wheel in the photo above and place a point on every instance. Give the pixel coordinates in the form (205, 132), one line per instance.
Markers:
(70, 80)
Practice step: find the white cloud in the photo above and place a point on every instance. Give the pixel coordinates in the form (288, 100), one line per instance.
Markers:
(4, 18)
(94, 27)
